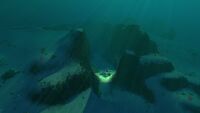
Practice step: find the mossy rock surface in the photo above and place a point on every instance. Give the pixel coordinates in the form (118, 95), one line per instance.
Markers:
(75, 106)
(64, 85)
(62, 92)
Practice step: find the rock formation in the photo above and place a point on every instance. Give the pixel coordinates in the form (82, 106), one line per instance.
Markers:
(175, 84)
(74, 75)
(138, 61)
(133, 71)
(130, 37)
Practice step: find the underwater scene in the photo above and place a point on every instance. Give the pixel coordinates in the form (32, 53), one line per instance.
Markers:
(99, 56)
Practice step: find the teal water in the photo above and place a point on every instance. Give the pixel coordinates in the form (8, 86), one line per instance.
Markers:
(31, 30)
(182, 16)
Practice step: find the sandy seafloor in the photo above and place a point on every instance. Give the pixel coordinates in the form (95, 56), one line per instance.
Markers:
(21, 47)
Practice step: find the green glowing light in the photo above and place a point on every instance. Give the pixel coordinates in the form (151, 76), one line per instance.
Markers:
(105, 76)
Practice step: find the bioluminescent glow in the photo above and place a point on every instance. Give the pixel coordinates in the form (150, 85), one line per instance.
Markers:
(105, 76)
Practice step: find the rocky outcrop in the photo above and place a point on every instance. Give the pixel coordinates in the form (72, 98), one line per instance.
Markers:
(133, 71)
(73, 76)
(60, 91)
(126, 70)
(153, 64)
(72, 47)
(80, 50)
(175, 84)
(64, 85)
(179, 83)
(75, 106)
(130, 37)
